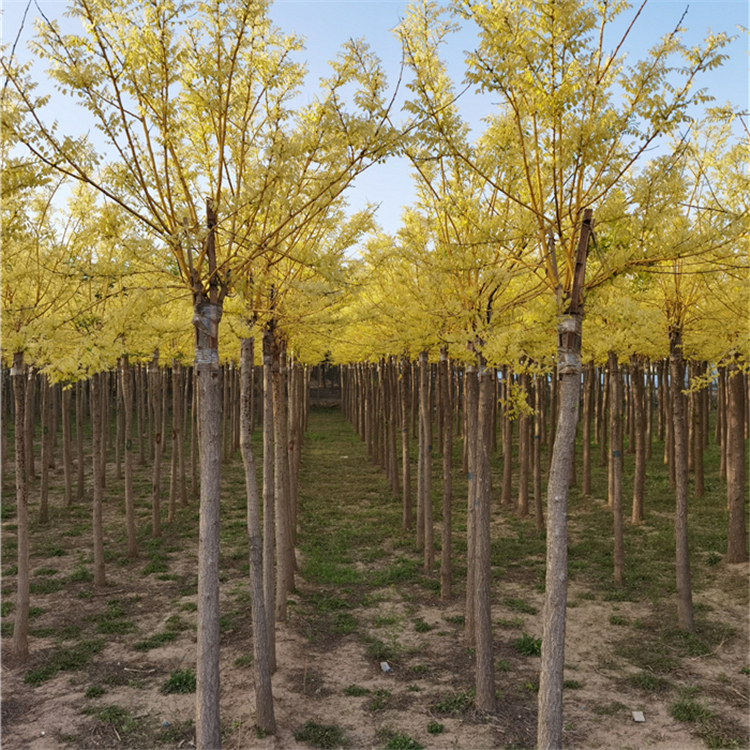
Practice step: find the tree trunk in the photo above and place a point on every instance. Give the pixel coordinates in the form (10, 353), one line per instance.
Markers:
(615, 463)
(698, 436)
(447, 445)
(97, 439)
(183, 382)
(679, 432)
(485, 677)
(407, 514)
(155, 378)
(126, 386)
(603, 421)
(649, 406)
(736, 495)
(265, 719)
(21, 621)
(549, 729)
(269, 521)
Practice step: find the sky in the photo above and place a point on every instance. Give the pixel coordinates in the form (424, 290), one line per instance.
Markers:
(327, 24)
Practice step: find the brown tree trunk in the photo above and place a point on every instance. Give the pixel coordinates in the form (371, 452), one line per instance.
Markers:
(406, 515)
(485, 677)
(140, 386)
(119, 440)
(554, 397)
(265, 719)
(679, 432)
(21, 621)
(447, 446)
(736, 457)
(698, 436)
(549, 723)
(649, 406)
(97, 439)
(126, 386)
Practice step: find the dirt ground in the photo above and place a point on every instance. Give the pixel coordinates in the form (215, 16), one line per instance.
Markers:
(431, 671)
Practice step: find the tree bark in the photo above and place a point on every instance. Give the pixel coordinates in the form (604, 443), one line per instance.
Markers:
(679, 432)
(126, 386)
(21, 621)
(736, 456)
(263, 695)
(549, 726)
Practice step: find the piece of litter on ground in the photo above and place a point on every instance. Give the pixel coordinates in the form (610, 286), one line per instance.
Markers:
(638, 716)
(385, 666)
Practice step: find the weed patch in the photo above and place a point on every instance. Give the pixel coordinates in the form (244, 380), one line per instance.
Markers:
(181, 681)
(326, 736)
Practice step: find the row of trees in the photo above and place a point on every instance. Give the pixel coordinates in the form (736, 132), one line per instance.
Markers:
(211, 194)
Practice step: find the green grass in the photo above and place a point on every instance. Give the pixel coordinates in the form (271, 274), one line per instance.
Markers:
(688, 709)
(154, 641)
(519, 605)
(120, 718)
(379, 700)
(95, 691)
(356, 690)
(326, 736)
(181, 681)
(64, 659)
(435, 727)
(401, 741)
(244, 661)
(454, 703)
(528, 645)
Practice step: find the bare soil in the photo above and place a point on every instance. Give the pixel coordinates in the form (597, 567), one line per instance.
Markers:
(321, 653)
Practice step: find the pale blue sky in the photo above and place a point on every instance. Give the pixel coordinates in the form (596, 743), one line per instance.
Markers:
(326, 24)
